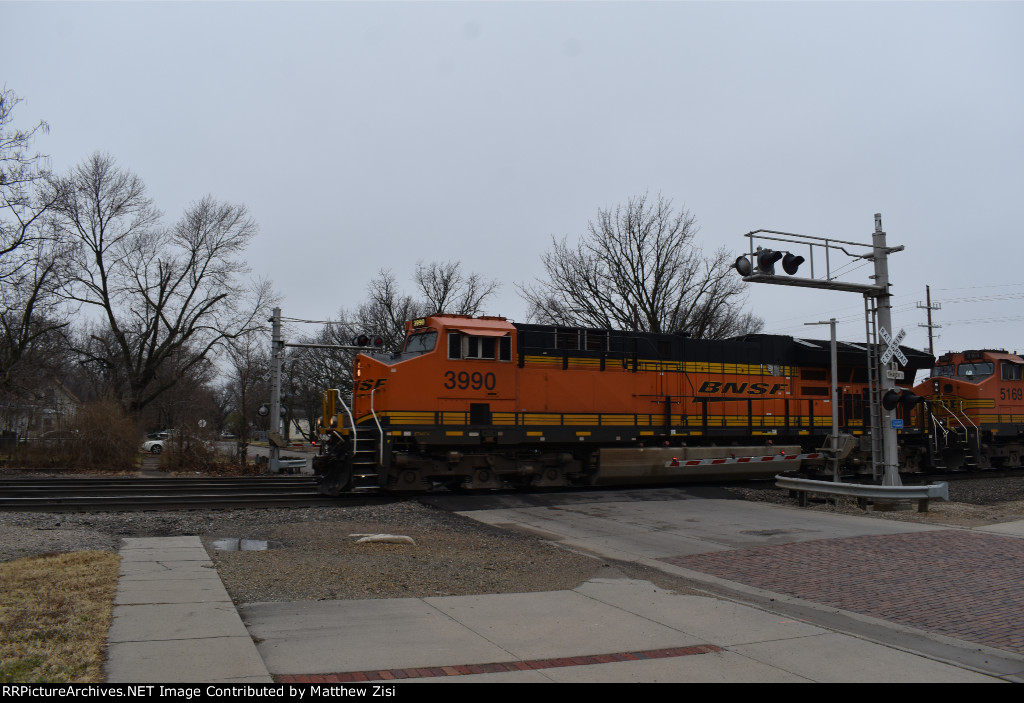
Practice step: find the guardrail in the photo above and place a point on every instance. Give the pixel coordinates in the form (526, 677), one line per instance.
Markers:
(291, 466)
(862, 492)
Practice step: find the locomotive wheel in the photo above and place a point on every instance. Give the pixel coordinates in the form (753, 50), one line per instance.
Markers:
(337, 478)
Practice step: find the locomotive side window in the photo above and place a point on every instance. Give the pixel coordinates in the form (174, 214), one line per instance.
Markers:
(464, 346)
(479, 348)
(1011, 372)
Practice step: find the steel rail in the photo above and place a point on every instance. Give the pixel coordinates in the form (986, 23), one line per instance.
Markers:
(94, 494)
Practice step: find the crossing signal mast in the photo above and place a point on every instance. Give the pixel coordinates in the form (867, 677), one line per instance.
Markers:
(758, 266)
(363, 342)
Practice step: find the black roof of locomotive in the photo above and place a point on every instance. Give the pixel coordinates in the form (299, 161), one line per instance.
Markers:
(746, 349)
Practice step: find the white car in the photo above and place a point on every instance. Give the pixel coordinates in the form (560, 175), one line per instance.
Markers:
(153, 446)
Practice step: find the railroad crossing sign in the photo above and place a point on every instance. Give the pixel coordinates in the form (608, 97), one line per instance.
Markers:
(894, 346)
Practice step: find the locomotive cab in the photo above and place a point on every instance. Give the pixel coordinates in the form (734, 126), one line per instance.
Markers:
(976, 402)
(448, 364)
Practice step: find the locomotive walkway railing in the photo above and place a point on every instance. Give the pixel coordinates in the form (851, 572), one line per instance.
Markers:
(922, 494)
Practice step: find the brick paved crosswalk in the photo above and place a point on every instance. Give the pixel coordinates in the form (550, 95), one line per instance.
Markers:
(961, 584)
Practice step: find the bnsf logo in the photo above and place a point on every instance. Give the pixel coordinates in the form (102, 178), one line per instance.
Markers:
(371, 384)
(738, 388)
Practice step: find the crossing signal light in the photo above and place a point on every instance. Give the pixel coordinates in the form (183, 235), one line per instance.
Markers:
(366, 340)
(791, 262)
(907, 398)
(891, 399)
(764, 261)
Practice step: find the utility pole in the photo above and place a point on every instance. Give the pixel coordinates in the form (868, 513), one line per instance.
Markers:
(929, 307)
(276, 358)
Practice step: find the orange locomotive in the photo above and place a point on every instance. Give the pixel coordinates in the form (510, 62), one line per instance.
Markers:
(485, 403)
(976, 404)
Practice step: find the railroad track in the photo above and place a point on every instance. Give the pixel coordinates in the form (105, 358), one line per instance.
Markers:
(118, 493)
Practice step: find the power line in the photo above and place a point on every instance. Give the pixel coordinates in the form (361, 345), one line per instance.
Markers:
(311, 322)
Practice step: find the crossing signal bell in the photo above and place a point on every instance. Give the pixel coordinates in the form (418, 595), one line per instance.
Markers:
(766, 259)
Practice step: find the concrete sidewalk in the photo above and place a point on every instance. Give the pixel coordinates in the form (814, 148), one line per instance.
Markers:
(606, 630)
(174, 622)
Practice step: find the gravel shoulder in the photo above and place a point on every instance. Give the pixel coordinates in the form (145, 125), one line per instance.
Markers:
(313, 556)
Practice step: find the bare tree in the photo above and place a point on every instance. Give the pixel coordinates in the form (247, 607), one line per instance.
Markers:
(639, 268)
(249, 362)
(163, 293)
(445, 288)
(31, 250)
(385, 311)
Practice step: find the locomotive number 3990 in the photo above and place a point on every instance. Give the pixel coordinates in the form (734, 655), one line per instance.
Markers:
(466, 380)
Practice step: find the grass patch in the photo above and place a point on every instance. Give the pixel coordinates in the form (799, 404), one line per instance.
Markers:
(55, 612)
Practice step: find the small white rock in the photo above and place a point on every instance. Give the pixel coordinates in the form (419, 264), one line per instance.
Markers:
(388, 539)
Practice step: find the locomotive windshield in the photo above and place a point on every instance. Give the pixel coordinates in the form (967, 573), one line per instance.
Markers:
(976, 371)
(420, 342)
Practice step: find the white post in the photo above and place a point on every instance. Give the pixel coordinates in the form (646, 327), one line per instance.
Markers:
(835, 397)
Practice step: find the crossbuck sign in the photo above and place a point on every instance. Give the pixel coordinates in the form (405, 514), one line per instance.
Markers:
(893, 346)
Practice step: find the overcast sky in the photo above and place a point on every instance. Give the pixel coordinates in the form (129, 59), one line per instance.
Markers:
(365, 136)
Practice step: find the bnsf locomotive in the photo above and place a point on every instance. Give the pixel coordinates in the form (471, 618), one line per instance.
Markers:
(974, 416)
(485, 403)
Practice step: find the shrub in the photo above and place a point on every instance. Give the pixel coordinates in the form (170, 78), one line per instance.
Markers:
(102, 437)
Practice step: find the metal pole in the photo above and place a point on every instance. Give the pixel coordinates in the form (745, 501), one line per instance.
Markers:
(890, 451)
(835, 397)
(277, 351)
